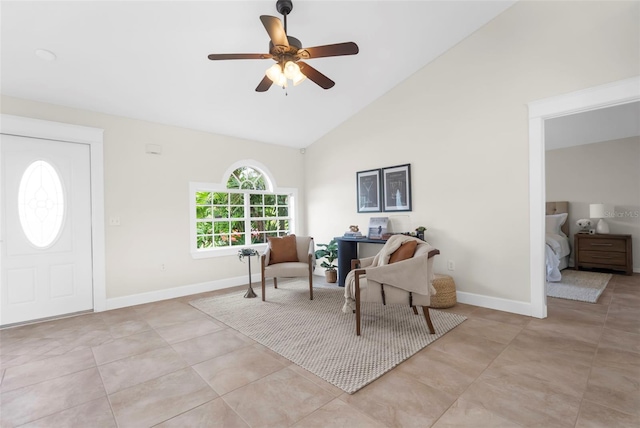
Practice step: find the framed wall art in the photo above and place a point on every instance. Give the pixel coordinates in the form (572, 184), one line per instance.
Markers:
(396, 184)
(369, 191)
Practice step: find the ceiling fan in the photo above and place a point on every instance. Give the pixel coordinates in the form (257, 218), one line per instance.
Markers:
(288, 53)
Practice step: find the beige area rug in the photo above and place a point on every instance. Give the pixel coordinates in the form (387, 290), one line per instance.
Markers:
(318, 336)
(579, 285)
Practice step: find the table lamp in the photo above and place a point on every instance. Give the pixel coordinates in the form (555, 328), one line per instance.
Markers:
(600, 211)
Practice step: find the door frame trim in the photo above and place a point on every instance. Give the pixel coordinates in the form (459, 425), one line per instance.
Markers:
(56, 131)
(593, 98)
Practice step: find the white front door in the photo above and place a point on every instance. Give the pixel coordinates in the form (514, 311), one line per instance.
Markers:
(46, 260)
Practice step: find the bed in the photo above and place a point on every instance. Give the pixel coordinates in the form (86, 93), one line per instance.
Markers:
(557, 247)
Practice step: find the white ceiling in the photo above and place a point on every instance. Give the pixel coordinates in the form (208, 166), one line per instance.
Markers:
(148, 59)
(595, 126)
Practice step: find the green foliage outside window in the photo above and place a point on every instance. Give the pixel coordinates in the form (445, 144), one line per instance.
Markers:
(222, 219)
(246, 178)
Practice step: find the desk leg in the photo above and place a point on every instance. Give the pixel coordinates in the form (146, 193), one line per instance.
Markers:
(347, 251)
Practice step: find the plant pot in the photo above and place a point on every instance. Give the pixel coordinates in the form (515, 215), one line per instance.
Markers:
(331, 276)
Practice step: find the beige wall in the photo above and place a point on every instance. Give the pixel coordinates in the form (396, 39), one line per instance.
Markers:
(150, 194)
(462, 123)
(607, 172)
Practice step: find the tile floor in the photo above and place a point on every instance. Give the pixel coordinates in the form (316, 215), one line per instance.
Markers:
(166, 364)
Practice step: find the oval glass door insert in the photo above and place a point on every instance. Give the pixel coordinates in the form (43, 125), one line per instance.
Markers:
(41, 203)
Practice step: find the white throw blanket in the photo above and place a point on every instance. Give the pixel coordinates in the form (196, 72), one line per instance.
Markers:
(409, 277)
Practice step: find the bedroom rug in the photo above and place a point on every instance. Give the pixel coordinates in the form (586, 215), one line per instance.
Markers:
(318, 336)
(579, 285)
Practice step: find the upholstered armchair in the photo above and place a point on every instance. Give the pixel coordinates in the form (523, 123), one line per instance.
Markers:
(401, 273)
(288, 257)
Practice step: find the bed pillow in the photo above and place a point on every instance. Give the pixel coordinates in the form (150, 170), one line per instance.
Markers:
(405, 252)
(555, 222)
(283, 249)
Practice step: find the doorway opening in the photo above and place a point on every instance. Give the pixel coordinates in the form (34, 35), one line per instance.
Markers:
(608, 95)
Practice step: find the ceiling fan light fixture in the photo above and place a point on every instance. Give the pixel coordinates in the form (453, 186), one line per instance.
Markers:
(288, 53)
(291, 70)
(299, 79)
(274, 72)
(276, 75)
(282, 81)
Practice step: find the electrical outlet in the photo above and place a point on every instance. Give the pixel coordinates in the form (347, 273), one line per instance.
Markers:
(163, 267)
(114, 221)
(451, 265)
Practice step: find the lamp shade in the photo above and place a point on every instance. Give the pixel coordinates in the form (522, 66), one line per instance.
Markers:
(599, 211)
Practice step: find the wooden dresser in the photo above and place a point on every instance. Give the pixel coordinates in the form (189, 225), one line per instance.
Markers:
(603, 251)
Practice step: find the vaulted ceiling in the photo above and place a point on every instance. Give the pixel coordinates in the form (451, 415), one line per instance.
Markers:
(148, 59)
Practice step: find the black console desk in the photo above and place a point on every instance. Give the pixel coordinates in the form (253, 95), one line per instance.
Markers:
(347, 251)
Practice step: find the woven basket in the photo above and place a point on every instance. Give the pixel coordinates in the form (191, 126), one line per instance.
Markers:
(446, 292)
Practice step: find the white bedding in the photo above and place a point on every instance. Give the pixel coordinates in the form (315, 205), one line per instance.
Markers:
(556, 248)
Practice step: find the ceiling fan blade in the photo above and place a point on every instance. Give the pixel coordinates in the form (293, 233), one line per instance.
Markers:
(214, 57)
(275, 29)
(264, 84)
(338, 49)
(314, 75)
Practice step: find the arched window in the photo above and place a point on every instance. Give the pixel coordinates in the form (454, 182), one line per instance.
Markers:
(246, 177)
(243, 212)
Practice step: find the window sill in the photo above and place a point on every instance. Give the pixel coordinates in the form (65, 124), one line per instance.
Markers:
(227, 251)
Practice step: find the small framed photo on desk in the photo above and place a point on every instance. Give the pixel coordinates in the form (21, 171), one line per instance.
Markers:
(378, 227)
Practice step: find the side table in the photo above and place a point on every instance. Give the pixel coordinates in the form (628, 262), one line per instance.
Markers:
(603, 251)
(248, 252)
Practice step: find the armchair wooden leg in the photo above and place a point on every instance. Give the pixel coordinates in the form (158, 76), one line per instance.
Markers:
(275, 282)
(357, 293)
(310, 279)
(358, 317)
(425, 310)
(262, 268)
(415, 310)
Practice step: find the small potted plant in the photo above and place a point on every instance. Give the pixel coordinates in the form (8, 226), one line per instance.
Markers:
(420, 232)
(328, 252)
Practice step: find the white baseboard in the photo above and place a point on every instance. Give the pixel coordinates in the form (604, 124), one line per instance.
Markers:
(497, 303)
(185, 290)
(513, 306)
